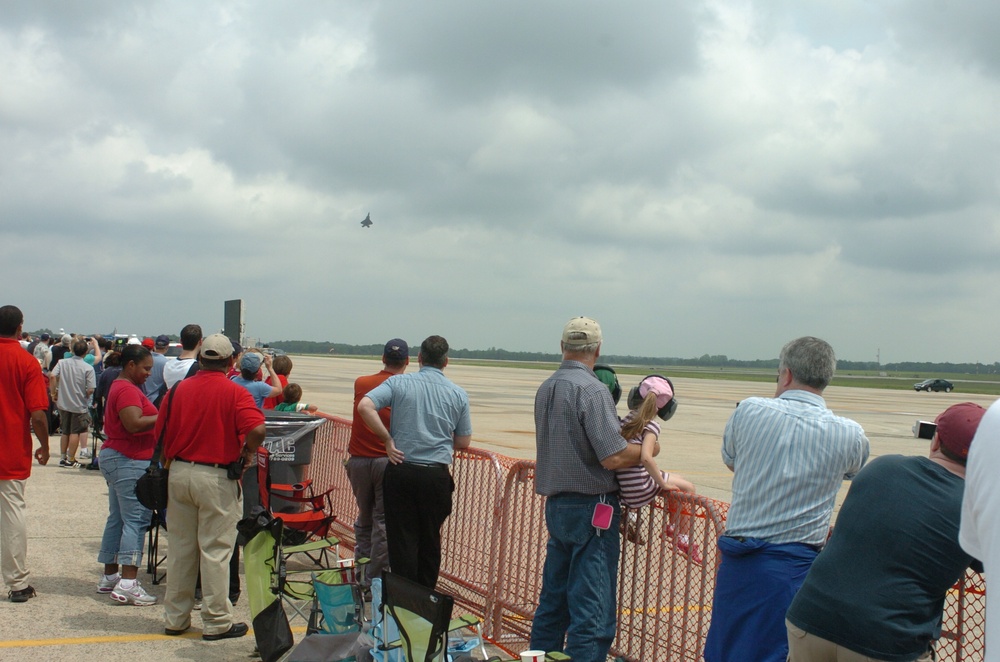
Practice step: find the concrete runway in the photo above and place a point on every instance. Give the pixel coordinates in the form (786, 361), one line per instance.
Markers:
(67, 507)
(502, 420)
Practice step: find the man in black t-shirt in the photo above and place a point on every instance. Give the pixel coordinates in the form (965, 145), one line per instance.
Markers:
(877, 590)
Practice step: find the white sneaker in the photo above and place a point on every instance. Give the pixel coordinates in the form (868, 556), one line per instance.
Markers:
(136, 595)
(85, 454)
(107, 583)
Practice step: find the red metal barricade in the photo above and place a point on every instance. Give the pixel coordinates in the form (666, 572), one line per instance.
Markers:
(493, 550)
(666, 578)
(468, 538)
(521, 554)
(963, 631)
(327, 471)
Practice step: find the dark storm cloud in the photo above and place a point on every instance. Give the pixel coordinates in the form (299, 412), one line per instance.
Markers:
(565, 50)
(775, 166)
(962, 33)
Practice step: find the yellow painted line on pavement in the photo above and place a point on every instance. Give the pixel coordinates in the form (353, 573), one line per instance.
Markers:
(117, 639)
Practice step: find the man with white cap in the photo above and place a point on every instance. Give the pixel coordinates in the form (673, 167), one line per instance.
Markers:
(877, 591)
(578, 449)
(789, 456)
(203, 420)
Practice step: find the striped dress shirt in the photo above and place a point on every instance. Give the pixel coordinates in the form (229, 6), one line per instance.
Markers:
(789, 456)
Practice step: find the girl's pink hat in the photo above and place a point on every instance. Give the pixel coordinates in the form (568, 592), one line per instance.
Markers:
(659, 386)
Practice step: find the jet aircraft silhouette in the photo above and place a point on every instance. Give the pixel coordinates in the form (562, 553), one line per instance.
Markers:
(367, 223)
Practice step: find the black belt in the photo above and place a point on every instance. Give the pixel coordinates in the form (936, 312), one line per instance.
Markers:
(431, 465)
(215, 465)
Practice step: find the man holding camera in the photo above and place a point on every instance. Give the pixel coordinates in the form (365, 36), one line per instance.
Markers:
(202, 421)
(878, 589)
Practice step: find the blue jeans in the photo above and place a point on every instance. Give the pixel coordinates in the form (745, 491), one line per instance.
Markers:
(128, 519)
(579, 581)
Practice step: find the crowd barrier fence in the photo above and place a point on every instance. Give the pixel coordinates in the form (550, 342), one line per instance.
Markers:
(493, 549)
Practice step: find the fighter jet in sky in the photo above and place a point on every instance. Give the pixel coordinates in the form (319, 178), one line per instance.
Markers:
(367, 223)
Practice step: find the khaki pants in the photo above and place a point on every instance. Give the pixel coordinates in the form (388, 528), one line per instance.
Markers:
(13, 535)
(203, 507)
(805, 647)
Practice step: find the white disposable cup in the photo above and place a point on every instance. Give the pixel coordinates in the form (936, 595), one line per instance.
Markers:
(533, 656)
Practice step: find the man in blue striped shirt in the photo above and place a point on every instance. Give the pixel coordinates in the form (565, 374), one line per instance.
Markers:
(789, 455)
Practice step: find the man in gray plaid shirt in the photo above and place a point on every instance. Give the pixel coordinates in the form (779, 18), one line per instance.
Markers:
(578, 448)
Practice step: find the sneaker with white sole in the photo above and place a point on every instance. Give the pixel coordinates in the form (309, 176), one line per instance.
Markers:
(133, 596)
(107, 583)
(85, 454)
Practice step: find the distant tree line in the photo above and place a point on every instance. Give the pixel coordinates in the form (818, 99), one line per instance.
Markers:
(703, 361)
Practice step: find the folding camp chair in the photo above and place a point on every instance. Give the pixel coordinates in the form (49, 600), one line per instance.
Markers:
(264, 568)
(96, 435)
(423, 617)
(338, 601)
(306, 531)
(153, 557)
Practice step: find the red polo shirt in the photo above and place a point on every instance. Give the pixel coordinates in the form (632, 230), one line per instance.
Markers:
(208, 417)
(363, 442)
(22, 391)
(137, 445)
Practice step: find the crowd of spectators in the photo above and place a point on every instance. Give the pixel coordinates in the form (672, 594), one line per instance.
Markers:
(786, 588)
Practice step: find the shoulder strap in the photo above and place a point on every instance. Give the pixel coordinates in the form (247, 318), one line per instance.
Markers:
(159, 442)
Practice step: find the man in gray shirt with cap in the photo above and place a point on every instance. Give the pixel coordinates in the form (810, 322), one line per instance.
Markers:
(578, 448)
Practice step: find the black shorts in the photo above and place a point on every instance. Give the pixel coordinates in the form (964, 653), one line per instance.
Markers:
(73, 423)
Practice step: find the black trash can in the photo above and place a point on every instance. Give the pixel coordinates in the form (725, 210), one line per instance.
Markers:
(289, 440)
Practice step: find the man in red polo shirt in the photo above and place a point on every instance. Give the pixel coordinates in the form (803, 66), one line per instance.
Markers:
(23, 399)
(204, 420)
(367, 463)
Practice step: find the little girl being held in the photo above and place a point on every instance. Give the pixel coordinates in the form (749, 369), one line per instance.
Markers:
(653, 397)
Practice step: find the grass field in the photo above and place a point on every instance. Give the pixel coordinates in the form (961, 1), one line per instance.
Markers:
(984, 384)
(977, 384)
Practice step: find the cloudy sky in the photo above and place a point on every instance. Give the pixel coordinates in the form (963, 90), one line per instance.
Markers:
(714, 177)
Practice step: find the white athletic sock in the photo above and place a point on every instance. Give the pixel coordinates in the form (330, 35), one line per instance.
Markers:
(126, 584)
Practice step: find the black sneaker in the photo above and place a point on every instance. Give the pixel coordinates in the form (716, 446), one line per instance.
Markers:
(23, 595)
(235, 631)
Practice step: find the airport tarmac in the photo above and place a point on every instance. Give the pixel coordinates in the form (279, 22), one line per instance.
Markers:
(502, 412)
(67, 507)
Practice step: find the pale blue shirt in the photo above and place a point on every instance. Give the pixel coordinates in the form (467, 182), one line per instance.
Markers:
(259, 390)
(155, 381)
(789, 456)
(428, 412)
